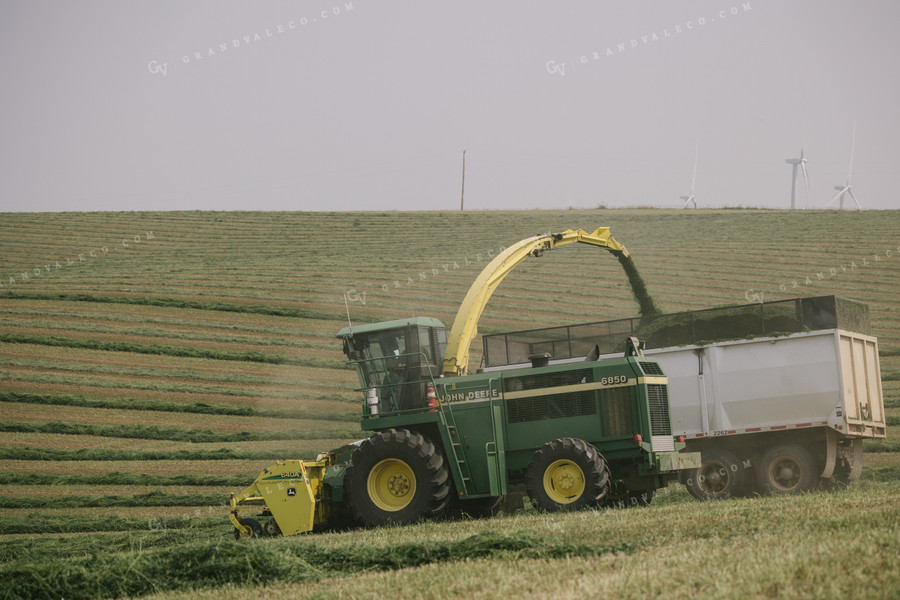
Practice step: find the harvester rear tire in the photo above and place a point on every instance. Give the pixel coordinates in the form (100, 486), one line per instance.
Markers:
(398, 477)
(786, 469)
(721, 475)
(256, 530)
(567, 474)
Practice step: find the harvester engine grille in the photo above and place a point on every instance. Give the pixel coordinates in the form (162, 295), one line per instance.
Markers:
(548, 380)
(555, 406)
(658, 397)
(616, 407)
(651, 368)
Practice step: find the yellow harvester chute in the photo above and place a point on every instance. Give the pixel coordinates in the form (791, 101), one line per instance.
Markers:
(465, 326)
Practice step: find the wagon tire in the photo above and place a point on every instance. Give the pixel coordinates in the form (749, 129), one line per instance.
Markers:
(721, 475)
(786, 469)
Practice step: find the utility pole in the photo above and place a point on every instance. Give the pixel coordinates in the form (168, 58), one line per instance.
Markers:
(462, 198)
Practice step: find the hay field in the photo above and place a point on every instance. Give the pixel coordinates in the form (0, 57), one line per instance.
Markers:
(188, 350)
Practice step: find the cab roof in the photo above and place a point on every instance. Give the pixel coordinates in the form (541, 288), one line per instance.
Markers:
(385, 325)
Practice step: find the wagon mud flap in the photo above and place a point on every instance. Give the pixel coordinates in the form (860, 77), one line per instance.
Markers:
(677, 461)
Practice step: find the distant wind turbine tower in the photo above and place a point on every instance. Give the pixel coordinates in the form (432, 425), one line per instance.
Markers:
(797, 162)
(847, 189)
(690, 198)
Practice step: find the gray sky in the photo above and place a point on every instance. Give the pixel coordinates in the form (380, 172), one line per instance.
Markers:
(333, 105)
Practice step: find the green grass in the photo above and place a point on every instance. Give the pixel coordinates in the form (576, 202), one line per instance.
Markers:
(607, 551)
(881, 446)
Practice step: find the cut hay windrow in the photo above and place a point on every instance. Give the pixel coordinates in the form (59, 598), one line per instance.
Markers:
(119, 478)
(153, 498)
(15, 453)
(177, 303)
(192, 352)
(196, 436)
(77, 524)
(177, 407)
(195, 565)
(79, 381)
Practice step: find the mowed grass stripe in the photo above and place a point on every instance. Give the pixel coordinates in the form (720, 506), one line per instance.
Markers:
(76, 442)
(154, 498)
(164, 467)
(192, 317)
(220, 424)
(338, 380)
(23, 337)
(276, 325)
(195, 436)
(9, 453)
(346, 413)
(127, 373)
(94, 489)
(44, 326)
(175, 302)
(324, 402)
(118, 478)
(130, 384)
(73, 523)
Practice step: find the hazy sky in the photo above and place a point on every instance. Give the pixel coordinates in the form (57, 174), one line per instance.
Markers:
(333, 105)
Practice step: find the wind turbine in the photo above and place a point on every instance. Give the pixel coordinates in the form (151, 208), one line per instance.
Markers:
(801, 162)
(690, 199)
(847, 189)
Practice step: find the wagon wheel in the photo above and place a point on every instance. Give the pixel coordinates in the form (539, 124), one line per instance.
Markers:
(721, 475)
(786, 469)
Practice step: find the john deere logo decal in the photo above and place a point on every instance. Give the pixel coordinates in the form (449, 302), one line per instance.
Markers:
(292, 491)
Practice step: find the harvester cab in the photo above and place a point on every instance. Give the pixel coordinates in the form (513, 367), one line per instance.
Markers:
(396, 361)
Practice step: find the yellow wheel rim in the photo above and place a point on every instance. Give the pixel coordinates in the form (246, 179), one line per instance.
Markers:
(391, 485)
(564, 481)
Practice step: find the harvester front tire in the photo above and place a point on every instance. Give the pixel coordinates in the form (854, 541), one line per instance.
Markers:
(256, 530)
(397, 477)
(721, 475)
(567, 474)
(786, 469)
